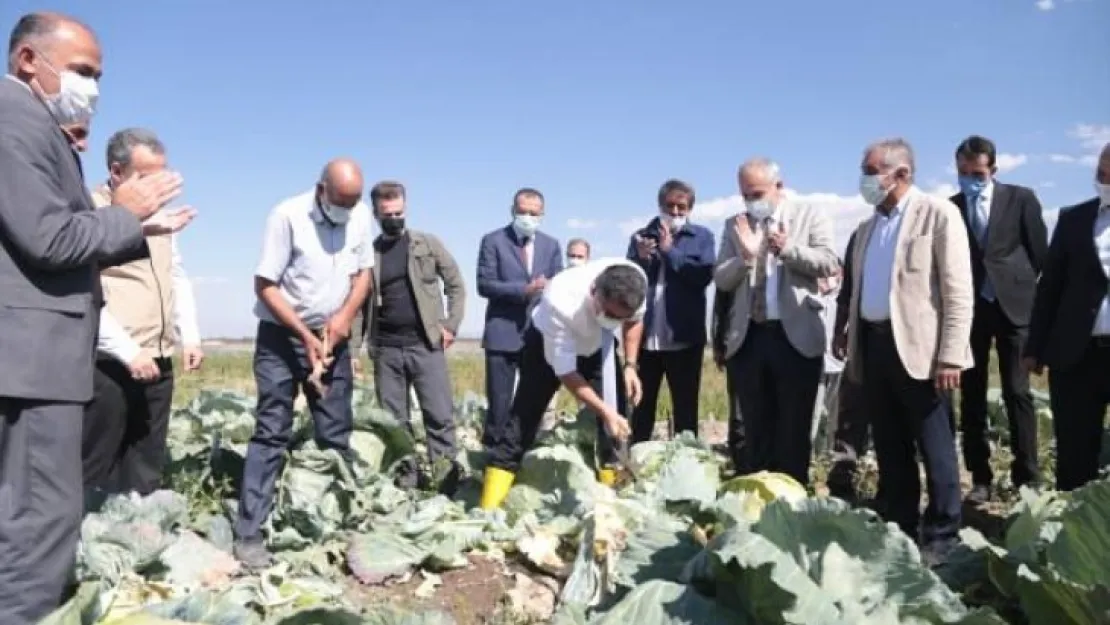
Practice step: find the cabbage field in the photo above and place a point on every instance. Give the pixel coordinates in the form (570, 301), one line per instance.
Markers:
(676, 542)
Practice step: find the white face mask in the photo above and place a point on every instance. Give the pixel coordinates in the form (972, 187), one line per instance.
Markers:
(335, 214)
(759, 209)
(608, 323)
(673, 223)
(75, 102)
(526, 225)
(575, 262)
(1103, 191)
(872, 190)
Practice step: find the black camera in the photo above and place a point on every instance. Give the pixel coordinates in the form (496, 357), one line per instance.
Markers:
(650, 233)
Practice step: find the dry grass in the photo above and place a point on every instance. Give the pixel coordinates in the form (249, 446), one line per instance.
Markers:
(231, 369)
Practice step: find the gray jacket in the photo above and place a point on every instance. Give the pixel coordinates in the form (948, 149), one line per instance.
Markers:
(52, 244)
(429, 263)
(808, 256)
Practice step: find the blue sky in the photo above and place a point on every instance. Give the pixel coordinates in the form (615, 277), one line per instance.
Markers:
(594, 103)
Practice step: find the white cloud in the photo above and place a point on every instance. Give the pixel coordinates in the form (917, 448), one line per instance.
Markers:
(1092, 138)
(846, 211)
(575, 223)
(1048, 5)
(208, 280)
(1009, 162)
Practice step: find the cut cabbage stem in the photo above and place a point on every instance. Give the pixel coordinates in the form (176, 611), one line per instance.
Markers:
(316, 376)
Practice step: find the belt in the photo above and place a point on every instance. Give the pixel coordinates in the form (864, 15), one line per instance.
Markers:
(1101, 341)
(883, 327)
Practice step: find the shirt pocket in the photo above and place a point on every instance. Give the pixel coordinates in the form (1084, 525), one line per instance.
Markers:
(919, 254)
(425, 265)
(347, 261)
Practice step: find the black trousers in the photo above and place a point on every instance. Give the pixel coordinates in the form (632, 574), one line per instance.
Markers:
(537, 385)
(280, 370)
(501, 372)
(851, 436)
(776, 388)
(41, 505)
(682, 369)
(1079, 396)
(124, 442)
(908, 417)
(991, 325)
(737, 439)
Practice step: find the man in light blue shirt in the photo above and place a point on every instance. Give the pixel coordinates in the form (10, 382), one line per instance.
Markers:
(311, 281)
(908, 330)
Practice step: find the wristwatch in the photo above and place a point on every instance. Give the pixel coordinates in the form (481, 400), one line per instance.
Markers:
(631, 364)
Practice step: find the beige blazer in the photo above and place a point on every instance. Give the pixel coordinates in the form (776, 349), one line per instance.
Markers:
(808, 256)
(931, 294)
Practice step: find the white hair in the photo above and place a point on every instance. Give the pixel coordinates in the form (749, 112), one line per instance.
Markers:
(896, 152)
(767, 166)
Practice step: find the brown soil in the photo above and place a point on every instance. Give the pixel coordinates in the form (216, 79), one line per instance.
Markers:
(473, 596)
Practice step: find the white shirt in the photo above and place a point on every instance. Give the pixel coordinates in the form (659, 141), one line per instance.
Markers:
(878, 262)
(565, 317)
(113, 340)
(312, 260)
(1102, 247)
(773, 265)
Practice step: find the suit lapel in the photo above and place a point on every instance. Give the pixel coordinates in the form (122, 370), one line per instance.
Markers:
(999, 203)
(1086, 235)
(859, 252)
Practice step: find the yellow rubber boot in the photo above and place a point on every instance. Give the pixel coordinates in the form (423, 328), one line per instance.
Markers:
(495, 486)
(607, 477)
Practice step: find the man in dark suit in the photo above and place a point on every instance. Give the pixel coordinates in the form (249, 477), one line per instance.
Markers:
(1008, 246)
(514, 264)
(51, 243)
(1070, 331)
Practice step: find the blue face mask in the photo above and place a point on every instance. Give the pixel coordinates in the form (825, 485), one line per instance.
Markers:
(972, 186)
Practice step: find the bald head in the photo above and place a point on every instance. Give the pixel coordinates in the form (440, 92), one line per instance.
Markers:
(341, 183)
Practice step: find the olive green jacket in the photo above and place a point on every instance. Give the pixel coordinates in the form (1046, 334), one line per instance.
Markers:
(429, 263)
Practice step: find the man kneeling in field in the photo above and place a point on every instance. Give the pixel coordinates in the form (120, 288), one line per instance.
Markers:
(569, 340)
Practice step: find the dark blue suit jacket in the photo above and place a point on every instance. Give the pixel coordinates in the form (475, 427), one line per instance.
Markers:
(689, 270)
(502, 278)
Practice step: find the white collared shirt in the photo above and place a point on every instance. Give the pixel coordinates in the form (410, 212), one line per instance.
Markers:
(114, 341)
(878, 261)
(312, 260)
(565, 315)
(773, 266)
(1102, 248)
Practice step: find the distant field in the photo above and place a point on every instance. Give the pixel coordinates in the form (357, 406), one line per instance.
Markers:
(228, 365)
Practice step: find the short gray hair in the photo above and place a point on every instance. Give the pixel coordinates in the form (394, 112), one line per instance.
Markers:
(896, 152)
(123, 142)
(765, 165)
(579, 241)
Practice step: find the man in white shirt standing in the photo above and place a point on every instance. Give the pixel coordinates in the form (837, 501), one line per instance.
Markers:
(570, 341)
(909, 326)
(311, 282)
(126, 423)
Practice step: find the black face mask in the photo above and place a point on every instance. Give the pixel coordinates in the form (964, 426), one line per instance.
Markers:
(392, 226)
